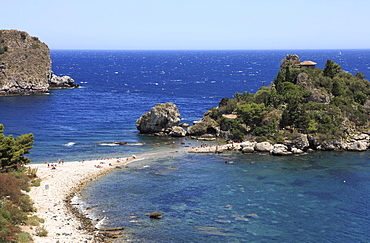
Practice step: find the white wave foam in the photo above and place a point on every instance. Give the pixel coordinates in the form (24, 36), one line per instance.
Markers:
(70, 144)
(108, 144)
(101, 223)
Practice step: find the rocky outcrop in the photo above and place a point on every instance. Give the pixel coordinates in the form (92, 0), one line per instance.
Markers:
(358, 146)
(263, 147)
(319, 97)
(299, 142)
(161, 118)
(205, 126)
(25, 64)
(61, 82)
(177, 131)
(247, 147)
(280, 149)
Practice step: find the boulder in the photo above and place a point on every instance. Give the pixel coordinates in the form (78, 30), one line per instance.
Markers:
(177, 132)
(248, 150)
(297, 151)
(333, 145)
(160, 118)
(61, 82)
(303, 78)
(155, 215)
(302, 142)
(280, 149)
(263, 147)
(247, 147)
(358, 146)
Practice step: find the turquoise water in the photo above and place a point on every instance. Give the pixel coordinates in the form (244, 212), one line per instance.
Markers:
(319, 197)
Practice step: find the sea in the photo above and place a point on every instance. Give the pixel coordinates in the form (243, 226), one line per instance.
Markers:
(317, 197)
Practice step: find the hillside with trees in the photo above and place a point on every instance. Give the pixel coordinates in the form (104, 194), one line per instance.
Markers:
(15, 180)
(328, 105)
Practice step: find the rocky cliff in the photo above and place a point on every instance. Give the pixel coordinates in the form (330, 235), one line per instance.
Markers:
(25, 64)
(162, 119)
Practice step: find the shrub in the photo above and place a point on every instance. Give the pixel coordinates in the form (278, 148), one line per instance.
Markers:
(35, 46)
(41, 231)
(35, 182)
(34, 221)
(23, 35)
(24, 237)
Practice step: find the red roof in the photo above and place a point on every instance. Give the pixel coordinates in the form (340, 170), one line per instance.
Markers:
(308, 63)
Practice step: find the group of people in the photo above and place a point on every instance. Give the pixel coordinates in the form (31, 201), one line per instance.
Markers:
(54, 166)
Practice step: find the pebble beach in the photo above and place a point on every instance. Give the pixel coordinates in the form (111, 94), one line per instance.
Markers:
(52, 198)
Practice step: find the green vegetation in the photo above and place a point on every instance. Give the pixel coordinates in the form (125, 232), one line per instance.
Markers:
(12, 150)
(15, 179)
(3, 49)
(327, 102)
(41, 231)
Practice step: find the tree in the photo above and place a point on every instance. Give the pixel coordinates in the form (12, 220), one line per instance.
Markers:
(360, 75)
(331, 69)
(251, 113)
(12, 150)
(295, 115)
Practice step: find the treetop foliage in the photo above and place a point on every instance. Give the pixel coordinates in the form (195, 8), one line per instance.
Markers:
(12, 150)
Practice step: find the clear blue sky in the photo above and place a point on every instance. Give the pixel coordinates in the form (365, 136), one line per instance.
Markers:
(192, 24)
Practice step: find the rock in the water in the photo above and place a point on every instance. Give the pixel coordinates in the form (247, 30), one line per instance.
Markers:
(160, 118)
(297, 151)
(280, 149)
(247, 147)
(178, 132)
(155, 215)
(61, 82)
(263, 147)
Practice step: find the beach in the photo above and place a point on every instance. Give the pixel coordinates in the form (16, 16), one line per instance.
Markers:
(59, 182)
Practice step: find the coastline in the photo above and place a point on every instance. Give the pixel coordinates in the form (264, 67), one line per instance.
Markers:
(52, 199)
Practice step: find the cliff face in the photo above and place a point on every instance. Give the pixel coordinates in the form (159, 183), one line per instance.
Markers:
(25, 64)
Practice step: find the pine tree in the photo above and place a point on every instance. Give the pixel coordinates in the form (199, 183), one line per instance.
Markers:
(12, 150)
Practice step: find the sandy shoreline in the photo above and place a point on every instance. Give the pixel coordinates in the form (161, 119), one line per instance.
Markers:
(51, 198)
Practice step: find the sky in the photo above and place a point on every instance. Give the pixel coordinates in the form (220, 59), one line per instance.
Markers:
(192, 24)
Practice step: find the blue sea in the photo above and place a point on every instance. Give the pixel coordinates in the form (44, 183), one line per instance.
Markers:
(319, 197)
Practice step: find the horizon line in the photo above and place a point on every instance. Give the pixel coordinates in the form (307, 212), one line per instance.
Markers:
(306, 49)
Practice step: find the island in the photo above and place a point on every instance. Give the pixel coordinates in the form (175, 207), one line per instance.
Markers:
(304, 108)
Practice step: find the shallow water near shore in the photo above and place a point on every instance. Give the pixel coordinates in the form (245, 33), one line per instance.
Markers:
(318, 197)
